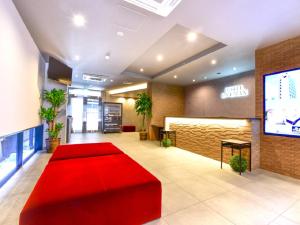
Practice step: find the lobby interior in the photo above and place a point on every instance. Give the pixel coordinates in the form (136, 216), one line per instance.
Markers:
(219, 142)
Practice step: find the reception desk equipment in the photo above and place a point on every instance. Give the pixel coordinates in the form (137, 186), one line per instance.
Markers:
(203, 135)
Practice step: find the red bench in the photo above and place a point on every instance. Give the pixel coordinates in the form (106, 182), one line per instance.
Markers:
(99, 190)
(128, 128)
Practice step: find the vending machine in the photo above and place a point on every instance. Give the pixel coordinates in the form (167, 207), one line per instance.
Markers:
(112, 117)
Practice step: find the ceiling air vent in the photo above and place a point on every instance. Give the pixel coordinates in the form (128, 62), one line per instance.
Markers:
(94, 78)
(160, 7)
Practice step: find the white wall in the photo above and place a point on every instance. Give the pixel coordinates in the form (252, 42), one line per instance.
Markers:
(21, 73)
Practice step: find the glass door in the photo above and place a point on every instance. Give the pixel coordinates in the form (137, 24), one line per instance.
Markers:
(84, 110)
(76, 110)
(93, 114)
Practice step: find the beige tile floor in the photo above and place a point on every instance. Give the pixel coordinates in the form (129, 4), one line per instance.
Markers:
(195, 190)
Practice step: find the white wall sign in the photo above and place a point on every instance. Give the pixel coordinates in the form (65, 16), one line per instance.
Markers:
(236, 91)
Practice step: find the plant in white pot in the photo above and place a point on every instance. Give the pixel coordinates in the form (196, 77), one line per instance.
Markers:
(56, 98)
(143, 107)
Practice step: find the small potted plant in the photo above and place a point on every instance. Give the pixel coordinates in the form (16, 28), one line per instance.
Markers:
(166, 142)
(143, 107)
(56, 98)
(234, 162)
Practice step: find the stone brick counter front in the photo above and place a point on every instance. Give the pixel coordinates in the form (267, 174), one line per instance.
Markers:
(203, 135)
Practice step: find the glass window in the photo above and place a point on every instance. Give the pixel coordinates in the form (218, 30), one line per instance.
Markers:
(28, 143)
(8, 156)
(15, 149)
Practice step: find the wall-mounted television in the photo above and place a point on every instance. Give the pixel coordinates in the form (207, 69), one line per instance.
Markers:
(59, 71)
(282, 103)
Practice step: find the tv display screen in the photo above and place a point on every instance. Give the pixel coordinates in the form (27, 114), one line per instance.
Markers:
(59, 71)
(282, 103)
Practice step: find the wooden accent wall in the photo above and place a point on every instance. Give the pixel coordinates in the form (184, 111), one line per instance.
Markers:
(168, 100)
(278, 154)
(205, 139)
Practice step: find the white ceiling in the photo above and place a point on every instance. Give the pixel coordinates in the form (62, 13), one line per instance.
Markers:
(174, 49)
(243, 25)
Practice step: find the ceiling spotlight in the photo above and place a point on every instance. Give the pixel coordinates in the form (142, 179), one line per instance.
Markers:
(77, 57)
(191, 36)
(205, 78)
(142, 70)
(194, 80)
(111, 80)
(234, 68)
(79, 20)
(213, 62)
(120, 34)
(104, 80)
(107, 56)
(175, 76)
(159, 58)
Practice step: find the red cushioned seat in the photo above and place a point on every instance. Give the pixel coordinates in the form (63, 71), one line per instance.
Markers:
(128, 128)
(106, 190)
(84, 150)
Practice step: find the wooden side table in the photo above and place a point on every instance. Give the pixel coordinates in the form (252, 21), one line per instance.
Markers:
(239, 145)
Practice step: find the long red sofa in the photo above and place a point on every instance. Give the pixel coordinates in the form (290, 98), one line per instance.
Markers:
(100, 189)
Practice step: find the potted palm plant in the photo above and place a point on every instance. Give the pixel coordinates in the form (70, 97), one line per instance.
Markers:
(143, 107)
(56, 98)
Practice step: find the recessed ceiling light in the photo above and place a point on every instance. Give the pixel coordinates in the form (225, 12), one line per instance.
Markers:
(79, 20)
(142, 70)
(104, 80)
(191, 36)
(77, 57)
(120, 34)
(234, 68)
(159, 58)
(111, 80)
(107, 56)
(213, 62)
(205, 78)
(194, 80)
(175, 76)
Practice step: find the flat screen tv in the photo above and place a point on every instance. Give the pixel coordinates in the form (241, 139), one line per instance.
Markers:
(59, 71)
(282, 103)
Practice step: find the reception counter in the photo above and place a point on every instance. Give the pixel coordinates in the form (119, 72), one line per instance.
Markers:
(203, 135)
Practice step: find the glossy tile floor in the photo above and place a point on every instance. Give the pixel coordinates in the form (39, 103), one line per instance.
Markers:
(195, 190)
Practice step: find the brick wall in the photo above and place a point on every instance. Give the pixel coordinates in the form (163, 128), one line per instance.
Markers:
(278, 154)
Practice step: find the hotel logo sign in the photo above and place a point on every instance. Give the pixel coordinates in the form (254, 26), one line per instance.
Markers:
(236, 91)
